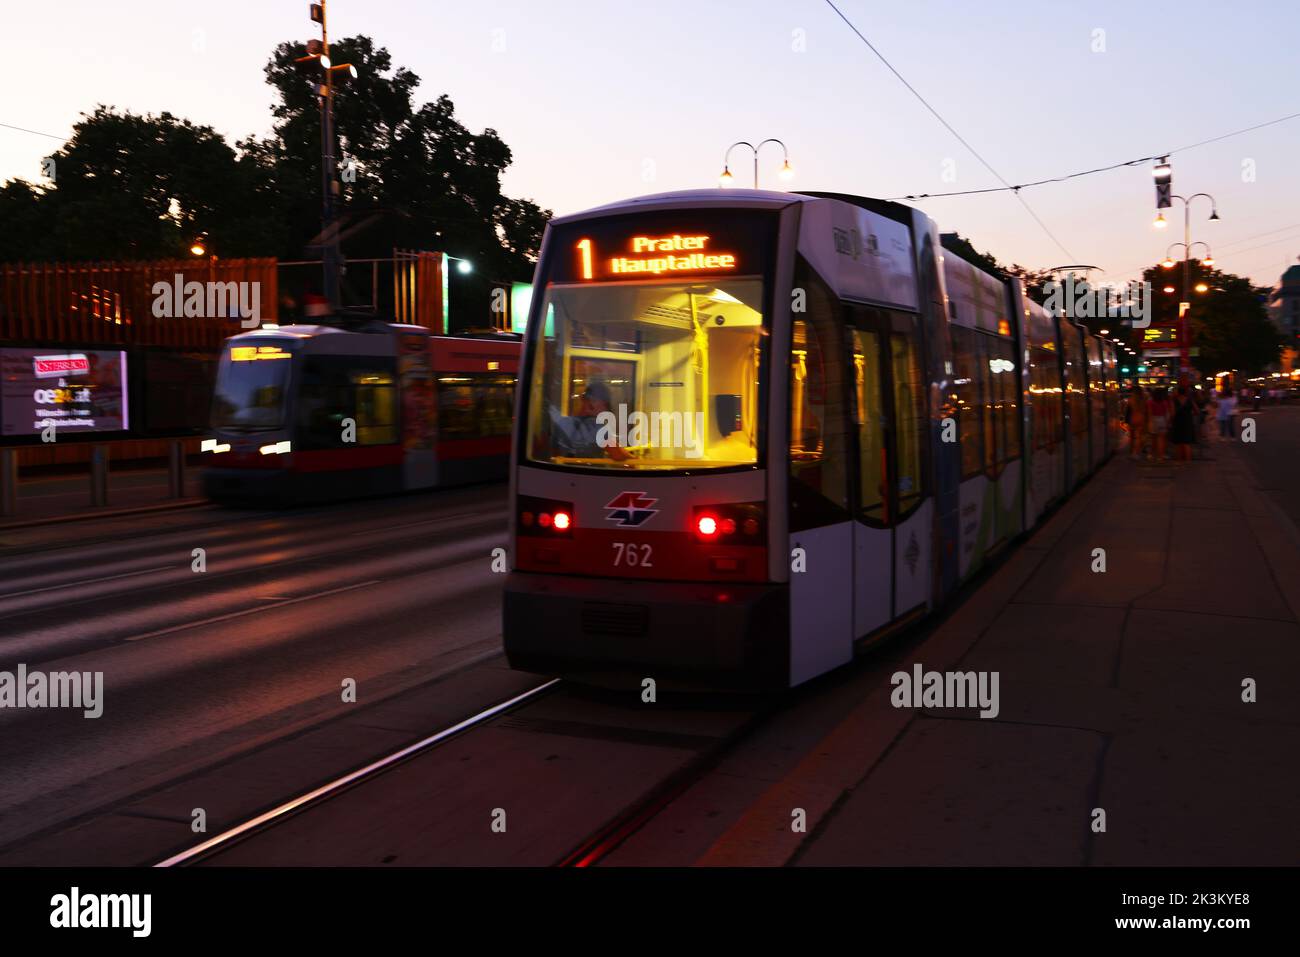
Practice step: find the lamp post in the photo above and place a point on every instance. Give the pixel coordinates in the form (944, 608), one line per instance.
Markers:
(318, 52)
(1184, 345)
(787, 170)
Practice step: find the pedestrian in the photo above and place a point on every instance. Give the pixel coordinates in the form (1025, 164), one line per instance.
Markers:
(1201, 398)
(1158, 408)
(1136, 416)
(1224, 408)
(1182, 427)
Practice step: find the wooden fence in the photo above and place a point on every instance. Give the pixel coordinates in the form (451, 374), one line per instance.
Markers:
(113, 303)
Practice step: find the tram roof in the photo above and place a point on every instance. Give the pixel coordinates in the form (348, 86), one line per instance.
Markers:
(737, 199)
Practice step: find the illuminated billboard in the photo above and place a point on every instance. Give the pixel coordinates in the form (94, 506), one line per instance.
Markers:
(73, 390)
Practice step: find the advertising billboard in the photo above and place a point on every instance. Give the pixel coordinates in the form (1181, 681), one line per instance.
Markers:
(73, 390)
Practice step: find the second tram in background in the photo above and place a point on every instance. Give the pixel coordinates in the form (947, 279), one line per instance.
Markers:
(735, 460)
(352, 406)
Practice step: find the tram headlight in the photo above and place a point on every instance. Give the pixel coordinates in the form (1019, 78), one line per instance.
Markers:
(707, 526)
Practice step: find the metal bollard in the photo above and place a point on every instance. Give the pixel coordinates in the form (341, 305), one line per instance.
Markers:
(176, 471)
(98, 476)
(8, 482)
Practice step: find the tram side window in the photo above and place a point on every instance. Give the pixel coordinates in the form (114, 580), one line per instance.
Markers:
(991, 410)
(335, 388)
(911, 425)
(1045, 379)
(818, 413)
(966, 380)
(376, 406)
(1010, 397)
(873, 468)
(475, 406)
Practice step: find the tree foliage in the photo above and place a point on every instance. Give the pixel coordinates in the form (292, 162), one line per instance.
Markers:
(129, 186)
(1229, 322)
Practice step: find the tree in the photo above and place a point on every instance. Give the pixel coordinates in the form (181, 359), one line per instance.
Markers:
(424, 179)
(1229, 322)
(144, 187)
(128, 186)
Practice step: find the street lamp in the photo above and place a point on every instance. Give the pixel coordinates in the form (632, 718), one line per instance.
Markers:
(331, 74)
(1184, 347)
(725, 180)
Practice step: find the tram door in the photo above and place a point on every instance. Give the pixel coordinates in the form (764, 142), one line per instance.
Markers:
(821, 525)
(893, 515)
(873, 555)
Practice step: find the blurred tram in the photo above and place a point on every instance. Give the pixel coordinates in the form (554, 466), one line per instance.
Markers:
(357, 406)
(763, 430)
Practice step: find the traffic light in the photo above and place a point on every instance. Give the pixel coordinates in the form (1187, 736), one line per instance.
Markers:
(1164, 174)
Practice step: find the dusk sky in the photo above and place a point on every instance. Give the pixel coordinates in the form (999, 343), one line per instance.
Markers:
(595, 109)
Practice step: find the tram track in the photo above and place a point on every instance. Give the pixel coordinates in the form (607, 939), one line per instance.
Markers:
(297, 805)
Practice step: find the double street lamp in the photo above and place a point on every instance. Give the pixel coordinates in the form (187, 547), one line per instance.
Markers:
(787, 171)
(318, 54)
(1184, 306)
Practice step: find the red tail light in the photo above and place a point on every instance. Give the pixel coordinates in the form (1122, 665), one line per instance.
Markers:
(741, 523)
(544, 516)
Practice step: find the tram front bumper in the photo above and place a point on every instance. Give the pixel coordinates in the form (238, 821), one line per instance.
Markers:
(693, 633)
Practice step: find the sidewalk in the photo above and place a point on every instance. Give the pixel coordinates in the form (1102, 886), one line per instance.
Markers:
(51, 498)
(1119, 691)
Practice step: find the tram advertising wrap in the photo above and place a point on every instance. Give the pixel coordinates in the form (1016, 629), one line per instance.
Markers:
(75, 390)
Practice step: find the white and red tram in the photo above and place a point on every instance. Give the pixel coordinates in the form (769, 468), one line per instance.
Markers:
(761, 430)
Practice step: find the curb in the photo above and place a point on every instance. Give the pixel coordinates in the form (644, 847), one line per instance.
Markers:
(106, 513)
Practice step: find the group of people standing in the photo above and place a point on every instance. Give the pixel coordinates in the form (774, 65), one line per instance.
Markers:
(1159, 417)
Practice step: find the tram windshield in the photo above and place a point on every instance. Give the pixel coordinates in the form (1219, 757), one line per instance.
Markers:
(251, 386)
(653, 375)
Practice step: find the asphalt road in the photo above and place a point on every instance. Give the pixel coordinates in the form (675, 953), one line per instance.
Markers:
(200, 665)
(1274, 456)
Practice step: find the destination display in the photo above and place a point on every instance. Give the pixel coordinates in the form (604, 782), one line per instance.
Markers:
(70, 390)
(651, 246)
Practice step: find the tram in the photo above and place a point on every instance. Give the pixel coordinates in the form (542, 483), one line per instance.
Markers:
(356, 406)
(764, 430)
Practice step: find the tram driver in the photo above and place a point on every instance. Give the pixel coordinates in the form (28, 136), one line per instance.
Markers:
(577, 435)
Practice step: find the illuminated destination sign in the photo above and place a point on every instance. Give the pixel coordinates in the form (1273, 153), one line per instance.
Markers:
(255, 353)
(1159, 334)
(657, 255)
(648, 246)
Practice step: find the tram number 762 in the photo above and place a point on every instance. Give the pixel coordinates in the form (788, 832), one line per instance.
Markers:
(632, 554)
